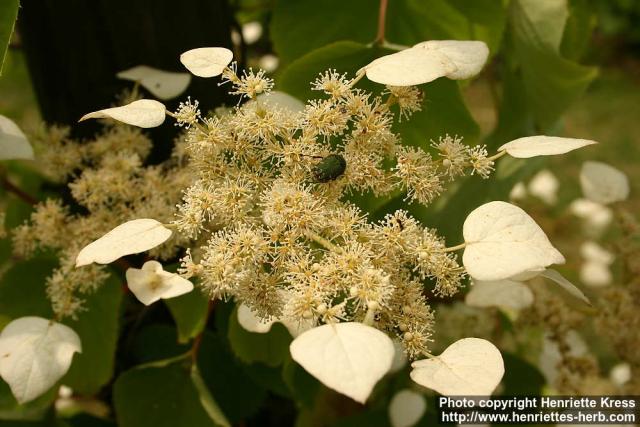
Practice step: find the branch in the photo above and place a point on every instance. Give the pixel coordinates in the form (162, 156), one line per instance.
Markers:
(11, 188)
(382, 18)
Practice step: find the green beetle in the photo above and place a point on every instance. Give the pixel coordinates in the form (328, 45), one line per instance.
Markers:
(329, 168)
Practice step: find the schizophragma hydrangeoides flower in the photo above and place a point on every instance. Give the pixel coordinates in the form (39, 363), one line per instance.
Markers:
(265, 219)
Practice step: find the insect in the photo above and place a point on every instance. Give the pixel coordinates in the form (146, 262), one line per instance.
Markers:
(329, 168)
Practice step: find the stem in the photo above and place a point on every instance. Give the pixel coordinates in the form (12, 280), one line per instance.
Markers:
(197, 341)
(357, 78)
(455, 248)
(323, 242)
(497, 155)
(382, 18)
(11, 188)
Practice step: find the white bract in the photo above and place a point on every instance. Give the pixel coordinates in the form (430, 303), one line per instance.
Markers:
(34, 354)
(544, 185)
(206, 61)
(151, 283)
(468, 367)
(565, 284)
(162, 84)
(503, 242)
(252, 323)
(132, 237)
(620, 374)
(428, 61)
(13, 142)
(592, 251)
(280, 100)
(499, 293)
(406, 408)
(596, 216)
(603, 184)
(541, 145)
(595, 274)
(144, 113)
(347, 357)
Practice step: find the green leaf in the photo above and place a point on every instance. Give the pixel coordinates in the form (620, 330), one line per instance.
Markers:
(443, 109)
(235, 391)
(304, 388)
(98, 330)
(8, 15)
(407, 22)
(299, 26)
(155, 342)
(22, 289)
(10, 409)
(542, 22)
(271, 348)
(521, 378)
(190, 313)
(552, 83)
(160, 397)
(206, 399)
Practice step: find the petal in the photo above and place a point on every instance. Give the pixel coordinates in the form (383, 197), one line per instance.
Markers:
(541, 145)
(206, 61)
(468, 367)
(144, 113)
(603, 184)
(409, 67)
(34, 354)
(13, 142)
(132, 237)
(503, 242)
(162, 84)
(468, 56)
(347, 357)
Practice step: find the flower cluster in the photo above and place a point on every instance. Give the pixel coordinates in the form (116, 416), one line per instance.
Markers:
(109, 184)
(270, 216)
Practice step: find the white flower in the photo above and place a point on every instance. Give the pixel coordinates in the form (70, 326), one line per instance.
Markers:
(544, 185)
(406, 408)
(252, 323)
(347, 357)
(603, 184)
(151, 283)
(518, 192)
(592, 251)
(620, 374)
(132, 237)
(596, 216)
(162, 84)
(13, 143)
(34, 354)
(499, 293)
(541, 145)
(595, 274)
(468, 367)
(428, 61)
(503, 242)
(144, 113)
(206, 61)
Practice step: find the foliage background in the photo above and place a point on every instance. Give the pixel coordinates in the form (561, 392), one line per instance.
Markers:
(557, 67)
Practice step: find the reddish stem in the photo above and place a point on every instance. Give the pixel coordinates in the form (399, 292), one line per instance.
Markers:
(11, 188)
(382, 19)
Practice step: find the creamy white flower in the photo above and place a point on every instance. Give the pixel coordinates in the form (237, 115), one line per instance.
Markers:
(541, 145)
(144, 113)
(347, 357)
(428, 61)
(592, 251)
(602, 183)
(132, 237)
(503, 242)
(620, 374)
(252, 323)
(499, 293)
(151, 283)
(595, 274)
(206, 61)
(468, 367)
(544, 185)
(13, 142)
(251, 32)
(406, 408)
(518, 192)
(34, 354)
(596, 216)
(162, 84)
